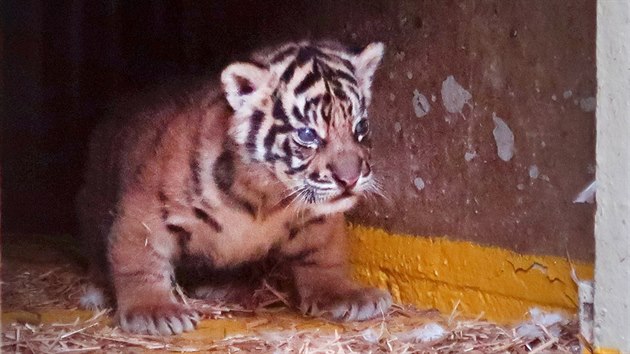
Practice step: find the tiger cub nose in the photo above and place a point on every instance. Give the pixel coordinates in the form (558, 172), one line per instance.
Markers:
(346, 170)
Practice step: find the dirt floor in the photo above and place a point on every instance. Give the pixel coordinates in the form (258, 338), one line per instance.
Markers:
(42, 282)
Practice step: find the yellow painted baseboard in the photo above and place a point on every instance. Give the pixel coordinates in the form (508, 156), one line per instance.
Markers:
(439, 273)
(606, 351)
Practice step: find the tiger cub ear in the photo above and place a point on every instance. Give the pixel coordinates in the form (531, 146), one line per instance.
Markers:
(241, 81)
(366, 63)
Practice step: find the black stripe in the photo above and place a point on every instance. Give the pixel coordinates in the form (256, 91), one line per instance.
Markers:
(344, 75)
(255, 123)
(340, 94)
(305, 54)
(294, 170)
(180, 232)
(302, 258)
(312, 102)
(317, 220)
(195, 171)
(347, 64)
(275, 130)
(314, 176)
(162, 197)
(326, 99)
(294, 231)
(203, 216)
(354, 92)
(326, 107)
(310, 80)
(288, 73)
(224, 174)
(297, 114)
(278, 111)
(183, 236)
(248, 207)
(271, 157)
(288, 152)
(257, 64)
(282, 55)
(224, 171)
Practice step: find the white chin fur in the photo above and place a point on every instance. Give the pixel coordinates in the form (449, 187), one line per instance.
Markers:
(338, 206)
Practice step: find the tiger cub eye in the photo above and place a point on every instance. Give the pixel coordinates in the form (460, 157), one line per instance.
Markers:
(362, 128)
(307, 136)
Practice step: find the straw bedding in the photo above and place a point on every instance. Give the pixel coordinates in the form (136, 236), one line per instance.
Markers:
(41, 315)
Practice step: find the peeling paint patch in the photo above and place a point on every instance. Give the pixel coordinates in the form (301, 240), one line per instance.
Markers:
(397, 127)
(421, 106)
(419, 183)
(454, 96)
(504, 138)
(533, 172)
(469, 155)
(588, 104)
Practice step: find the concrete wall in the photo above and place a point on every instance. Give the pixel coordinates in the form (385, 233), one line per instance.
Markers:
(454, 70)
(612, 223)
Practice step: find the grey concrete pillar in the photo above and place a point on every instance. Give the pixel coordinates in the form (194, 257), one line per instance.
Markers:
(612, 221)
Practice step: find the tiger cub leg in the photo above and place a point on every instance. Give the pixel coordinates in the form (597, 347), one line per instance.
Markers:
(140, 259)
(322, 279)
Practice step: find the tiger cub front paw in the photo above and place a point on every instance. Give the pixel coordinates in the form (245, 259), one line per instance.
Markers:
(355, 305)
(163, 319)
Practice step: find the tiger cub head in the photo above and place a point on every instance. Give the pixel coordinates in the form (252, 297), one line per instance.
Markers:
(302, 110)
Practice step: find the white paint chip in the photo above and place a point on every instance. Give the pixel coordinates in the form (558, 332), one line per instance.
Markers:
(469, 155)
(454, 96)
(587, 195)
(397, 127)
(504, 138)
(409, 75)
(533, 171)
(421, 106)
(419, 183)
(588, 104)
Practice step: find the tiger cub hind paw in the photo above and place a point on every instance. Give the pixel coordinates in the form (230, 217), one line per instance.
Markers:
(164, 319)
(356, 305)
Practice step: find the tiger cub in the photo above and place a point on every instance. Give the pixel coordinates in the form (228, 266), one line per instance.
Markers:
(266, 160)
